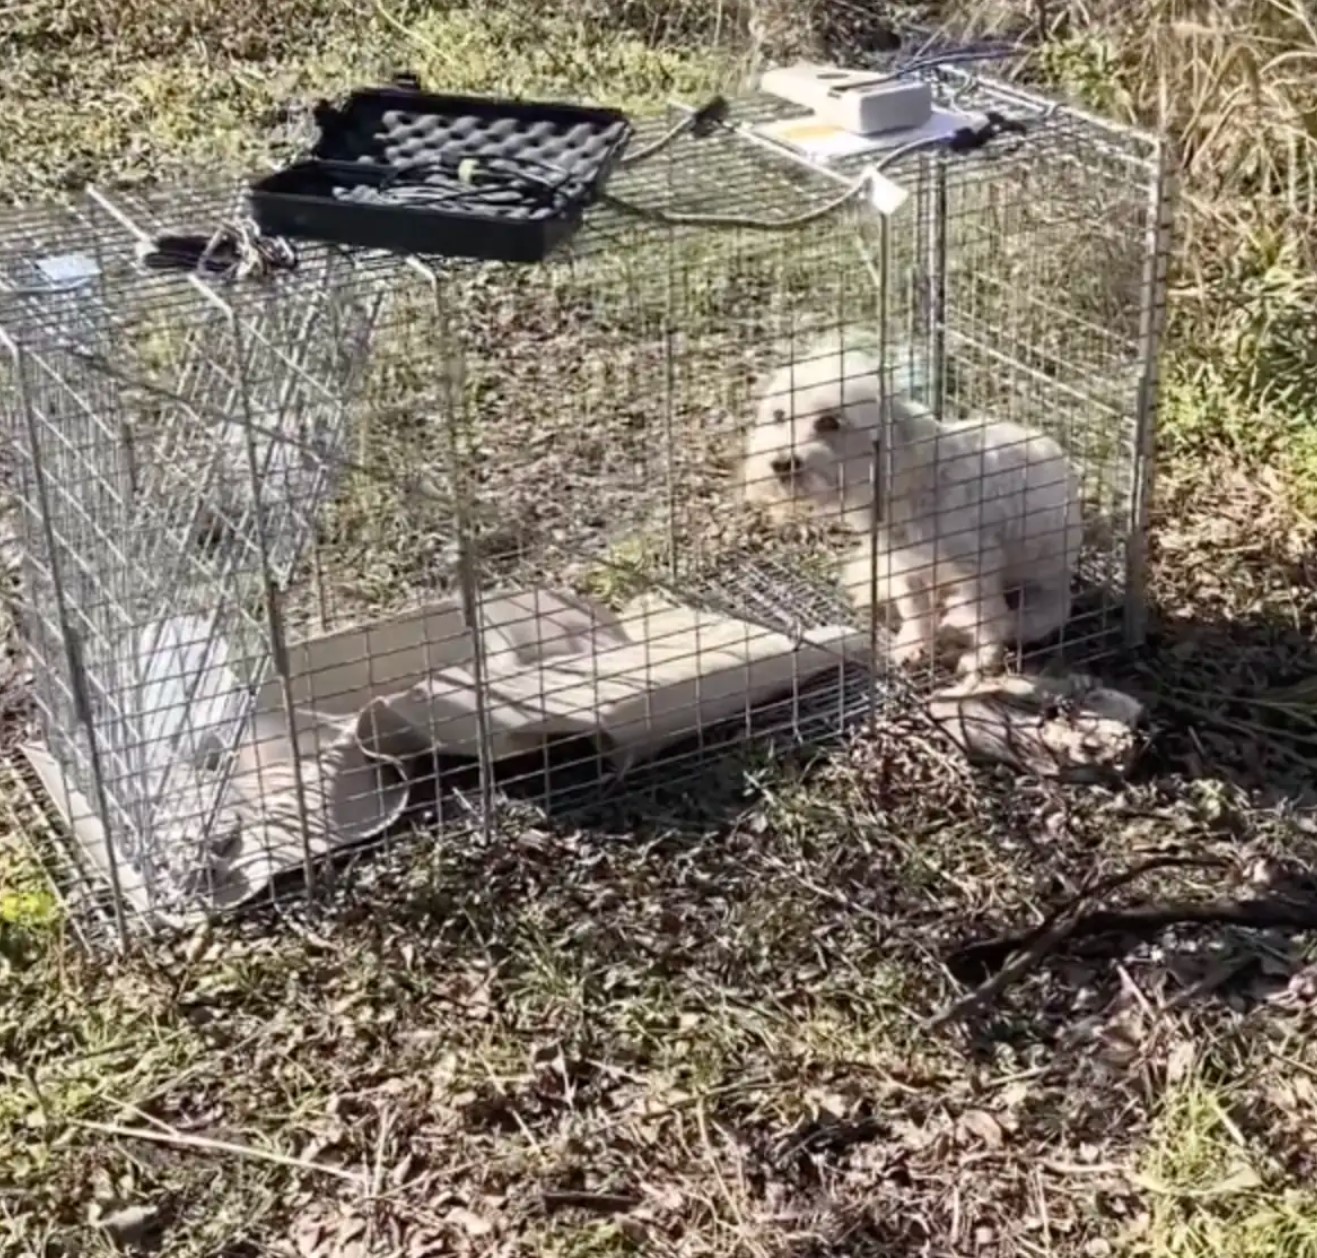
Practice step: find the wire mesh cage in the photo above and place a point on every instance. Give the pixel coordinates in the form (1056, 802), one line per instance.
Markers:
(376, 545)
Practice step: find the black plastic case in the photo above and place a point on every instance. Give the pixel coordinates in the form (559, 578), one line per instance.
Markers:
(519, 174)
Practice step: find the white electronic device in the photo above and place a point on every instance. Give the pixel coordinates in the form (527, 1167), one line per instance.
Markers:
(860, 101)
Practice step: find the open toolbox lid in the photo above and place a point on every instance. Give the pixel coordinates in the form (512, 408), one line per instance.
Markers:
(415, 172)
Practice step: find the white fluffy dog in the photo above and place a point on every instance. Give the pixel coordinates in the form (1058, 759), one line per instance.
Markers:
(975, 509)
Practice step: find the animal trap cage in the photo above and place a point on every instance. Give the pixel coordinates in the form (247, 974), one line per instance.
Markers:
(379, 545)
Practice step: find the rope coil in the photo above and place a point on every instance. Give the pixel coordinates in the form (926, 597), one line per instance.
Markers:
(235, 251)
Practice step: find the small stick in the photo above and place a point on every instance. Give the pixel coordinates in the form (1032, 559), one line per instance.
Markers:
(1276, 913)
(205, 1144)
(602, 1202)
(1026, 952)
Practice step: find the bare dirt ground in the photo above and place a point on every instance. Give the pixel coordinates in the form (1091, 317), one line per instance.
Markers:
(717, 1035)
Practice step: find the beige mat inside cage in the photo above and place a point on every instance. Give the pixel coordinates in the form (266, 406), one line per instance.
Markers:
(368, 701)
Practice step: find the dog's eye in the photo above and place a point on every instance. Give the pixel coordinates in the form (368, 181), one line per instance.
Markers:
(779, 416)
(827, 422)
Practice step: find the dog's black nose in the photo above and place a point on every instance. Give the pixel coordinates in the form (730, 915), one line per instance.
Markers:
(785, 466)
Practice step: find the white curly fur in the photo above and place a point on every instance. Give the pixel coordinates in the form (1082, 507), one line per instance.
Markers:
(976, 508)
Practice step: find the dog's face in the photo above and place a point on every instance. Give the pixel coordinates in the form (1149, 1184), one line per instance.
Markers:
(811, 440)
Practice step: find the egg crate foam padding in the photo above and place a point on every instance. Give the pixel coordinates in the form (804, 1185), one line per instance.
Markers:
(459, 176)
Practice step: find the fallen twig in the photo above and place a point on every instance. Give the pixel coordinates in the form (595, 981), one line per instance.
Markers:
(1274, 737)
(600, 1202)
(1271, 913)
(1014, 956)
(205, 1144)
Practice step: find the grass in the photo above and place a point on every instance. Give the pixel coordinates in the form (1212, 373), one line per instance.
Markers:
(1208, 1183)
(1230, 82)
(701, 1033)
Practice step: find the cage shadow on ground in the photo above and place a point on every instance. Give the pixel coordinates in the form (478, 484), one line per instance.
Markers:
(1229, 697)
(1226, 777)
(1263, 816)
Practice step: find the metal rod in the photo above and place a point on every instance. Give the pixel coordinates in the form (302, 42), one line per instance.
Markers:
(278, 645)
(1152, 320)
(879, 469)
(937, 280)
(453, 402)
(72, 646)
(670, 323)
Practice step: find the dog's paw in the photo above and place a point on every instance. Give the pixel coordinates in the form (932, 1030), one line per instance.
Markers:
(912, 645)
(983, 661)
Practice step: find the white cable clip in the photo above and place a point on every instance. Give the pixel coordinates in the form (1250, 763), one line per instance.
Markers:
(885, 195)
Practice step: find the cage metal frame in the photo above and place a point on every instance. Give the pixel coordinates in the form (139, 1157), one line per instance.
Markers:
(931, 184)
(52, 335)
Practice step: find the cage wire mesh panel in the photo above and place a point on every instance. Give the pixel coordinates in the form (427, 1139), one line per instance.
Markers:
(603, 398)
(172, 447)
(606, 393)
(610, 389)
(1024, 283)
(425, 537)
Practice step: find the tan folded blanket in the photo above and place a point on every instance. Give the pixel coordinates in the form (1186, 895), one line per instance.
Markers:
(367, 700)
